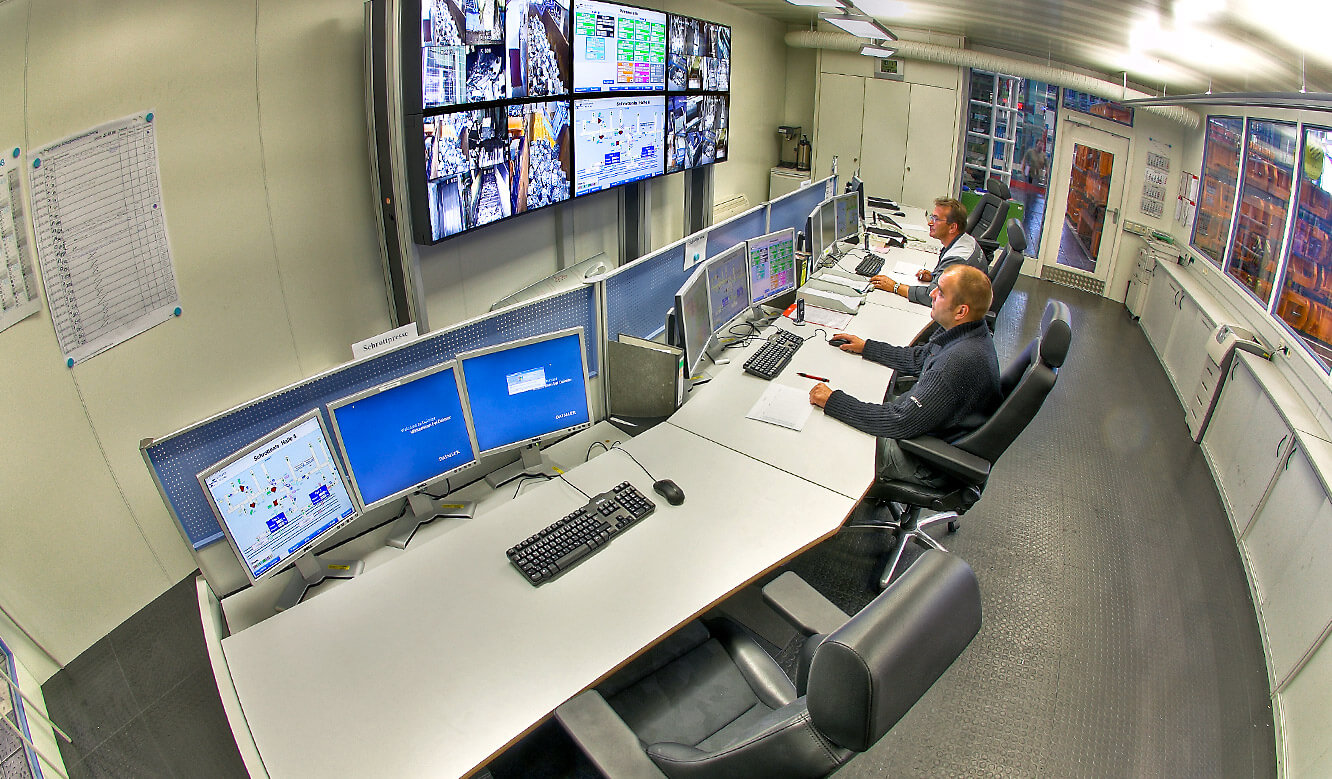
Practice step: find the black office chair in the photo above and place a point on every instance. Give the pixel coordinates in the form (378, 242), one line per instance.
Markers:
(1005, 269)
(987, 218)
(964, 464)
(710, 702)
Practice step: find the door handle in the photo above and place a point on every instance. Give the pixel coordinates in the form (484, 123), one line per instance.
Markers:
(1280, 443)
(1115, 212)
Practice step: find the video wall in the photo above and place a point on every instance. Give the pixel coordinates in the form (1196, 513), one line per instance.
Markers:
(527, 103)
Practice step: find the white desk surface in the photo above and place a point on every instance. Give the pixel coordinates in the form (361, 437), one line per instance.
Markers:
(826, 451)
(432, 664)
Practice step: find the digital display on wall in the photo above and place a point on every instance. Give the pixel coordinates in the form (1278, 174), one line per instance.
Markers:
(697, 127)
(618, 48)
(699, 56)
(618, 140)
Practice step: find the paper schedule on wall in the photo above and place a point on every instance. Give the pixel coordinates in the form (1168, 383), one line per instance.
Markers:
(18, 282)
(101, 236)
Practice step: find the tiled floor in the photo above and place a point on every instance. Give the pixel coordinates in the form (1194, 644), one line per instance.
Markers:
(1071, 251)
(1119, 635)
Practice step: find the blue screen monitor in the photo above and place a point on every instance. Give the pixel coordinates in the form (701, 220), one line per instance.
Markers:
(691, 314)
(772, 267)
(618, 140)
(525, 391)
(279, 498)
(399, 437)
(728, 285)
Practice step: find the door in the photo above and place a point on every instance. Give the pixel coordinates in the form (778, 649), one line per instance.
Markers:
(841, 106)
(884, 137)
(1084, 220)
(931, 145)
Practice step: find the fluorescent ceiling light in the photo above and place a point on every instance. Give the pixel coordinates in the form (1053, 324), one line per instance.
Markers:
(877, 51)
(817, 3)
(859, 26)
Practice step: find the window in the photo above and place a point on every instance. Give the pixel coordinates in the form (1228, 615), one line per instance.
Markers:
(1305, 303)
(1260, 221)
(1097, 106)
(1216, 191)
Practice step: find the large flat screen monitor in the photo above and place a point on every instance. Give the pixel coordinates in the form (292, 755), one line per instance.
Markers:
(828, 225)
(697, 131)
(618, 140)
(523, 392)
(728, 285)
(484, 165)
(699, 55)
(279, 498)
(487, 50)
(846, 212)
(772, 269)
(693, 319)
(402, 436)
(618, 48)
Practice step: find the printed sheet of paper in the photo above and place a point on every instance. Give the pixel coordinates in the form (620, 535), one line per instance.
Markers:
(822, 317)
(782, 405)
(18, 282)
(101, 236)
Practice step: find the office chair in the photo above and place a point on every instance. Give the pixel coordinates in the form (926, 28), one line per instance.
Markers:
(987, 218)
(964, 464)
(1005, 269)
(710, 702)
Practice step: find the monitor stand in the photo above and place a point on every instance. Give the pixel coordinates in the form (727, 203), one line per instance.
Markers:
(422, 508)
(312, 570)
(532, 461)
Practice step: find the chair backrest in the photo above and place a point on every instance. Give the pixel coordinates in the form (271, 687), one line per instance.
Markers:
(998, 187)
(1025, 384)
(868, 673)
(1009, 266)
(986, 219)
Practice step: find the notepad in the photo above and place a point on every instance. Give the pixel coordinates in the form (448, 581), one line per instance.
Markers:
(783, 406)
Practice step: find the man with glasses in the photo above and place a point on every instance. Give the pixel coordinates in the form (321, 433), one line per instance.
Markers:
(948, 224)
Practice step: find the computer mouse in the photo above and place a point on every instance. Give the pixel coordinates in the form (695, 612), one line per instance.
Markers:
(838, 341)
(899, 213)
(670, 491)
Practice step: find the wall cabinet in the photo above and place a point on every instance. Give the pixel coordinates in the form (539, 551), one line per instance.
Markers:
(1245, 443)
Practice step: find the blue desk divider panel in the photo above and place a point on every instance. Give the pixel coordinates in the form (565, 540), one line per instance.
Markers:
(175, 459)
(740, 227)
(639, 294)
(790, 209)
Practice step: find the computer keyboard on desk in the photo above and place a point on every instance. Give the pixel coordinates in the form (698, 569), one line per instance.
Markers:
(773, 356)
(870, 266)
(572, 539)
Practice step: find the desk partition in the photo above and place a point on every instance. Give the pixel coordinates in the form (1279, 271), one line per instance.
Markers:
(790, 209)
(175, 459)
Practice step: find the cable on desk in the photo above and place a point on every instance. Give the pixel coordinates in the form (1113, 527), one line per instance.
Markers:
(635, 459)
(595, 444)
(447, 490)
(525, 476)
(575, 486)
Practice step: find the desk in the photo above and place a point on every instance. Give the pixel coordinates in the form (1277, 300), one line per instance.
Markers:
(420, 666)
(826, 451)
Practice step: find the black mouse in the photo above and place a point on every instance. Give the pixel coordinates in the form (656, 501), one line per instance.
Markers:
(838, 341)
(670, 491)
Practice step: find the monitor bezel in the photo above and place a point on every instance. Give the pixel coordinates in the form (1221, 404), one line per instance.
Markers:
(333, 407)
(314, 543)
(749, 261)
(463, 357)
(697, 280)
(714, 261)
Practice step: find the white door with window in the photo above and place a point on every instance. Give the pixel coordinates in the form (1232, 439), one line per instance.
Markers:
(1083, 218)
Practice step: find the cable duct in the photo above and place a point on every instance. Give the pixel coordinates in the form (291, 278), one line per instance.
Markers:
(947, 55)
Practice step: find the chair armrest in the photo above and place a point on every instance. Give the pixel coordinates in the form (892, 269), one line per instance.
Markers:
(609, 743)
(945, 457)
(988, 245)
(802, 605)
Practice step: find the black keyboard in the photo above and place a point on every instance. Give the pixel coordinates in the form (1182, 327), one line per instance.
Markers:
(878, 202)
(773, 356)
(883, 232)
(572, 539)
(870, 266)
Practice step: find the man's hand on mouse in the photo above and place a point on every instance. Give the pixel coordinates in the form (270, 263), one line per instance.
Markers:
(854, 344)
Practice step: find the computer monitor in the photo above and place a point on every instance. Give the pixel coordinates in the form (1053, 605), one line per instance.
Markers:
(280, 497)
(692, 318)
(846, 213)
(523, 392)
(827, 226)
(402, 436)
(618, 140)
(772, 270)
(857, 186)
(728, 286)
(618, 48)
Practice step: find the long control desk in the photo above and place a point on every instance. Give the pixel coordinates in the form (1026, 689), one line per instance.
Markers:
(440, 656)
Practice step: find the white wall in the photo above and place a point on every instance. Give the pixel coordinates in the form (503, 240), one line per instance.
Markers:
(262, 142)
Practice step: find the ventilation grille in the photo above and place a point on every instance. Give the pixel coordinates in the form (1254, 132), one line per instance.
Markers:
(1070, 279)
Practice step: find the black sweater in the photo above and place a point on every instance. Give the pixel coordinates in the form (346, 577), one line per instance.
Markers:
(959, 377)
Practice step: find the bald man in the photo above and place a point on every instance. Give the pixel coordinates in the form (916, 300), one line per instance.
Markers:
(958, 384)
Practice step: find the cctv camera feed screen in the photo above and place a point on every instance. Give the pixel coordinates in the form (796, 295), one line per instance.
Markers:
(696, 131)
(618, 140)
(699, 56)
(487, 164)
(480, 50)
(618, 48)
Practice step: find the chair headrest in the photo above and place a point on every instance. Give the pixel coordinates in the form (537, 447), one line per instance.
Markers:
(868, 673)
(1017, 237)
(998, 187)
(1056, 334)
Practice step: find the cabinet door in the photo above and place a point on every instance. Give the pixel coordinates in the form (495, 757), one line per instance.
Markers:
(884, 138)
(1288, 546)
(840, 111)
(1245, 442)
(1159, 314)
(931, 144)
(1187, 349)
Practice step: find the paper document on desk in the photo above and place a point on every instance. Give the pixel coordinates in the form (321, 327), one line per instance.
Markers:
(783, 406)
(825, 318)
(850, 301)
(917, 228)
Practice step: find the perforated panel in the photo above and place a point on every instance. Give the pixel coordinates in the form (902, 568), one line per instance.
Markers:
(176, 459)
(639, 294)
(739, 228)
(791, 209)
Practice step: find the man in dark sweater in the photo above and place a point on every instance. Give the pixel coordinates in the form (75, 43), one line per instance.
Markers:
(958, 382)
(948, 224)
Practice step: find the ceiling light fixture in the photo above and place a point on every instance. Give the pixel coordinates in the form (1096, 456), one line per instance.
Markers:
(877, 51)
(818, 3)
(859, 25)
